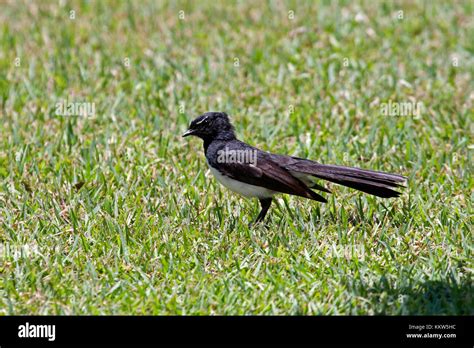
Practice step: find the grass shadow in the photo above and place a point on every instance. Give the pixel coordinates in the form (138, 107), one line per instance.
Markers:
(432, 297)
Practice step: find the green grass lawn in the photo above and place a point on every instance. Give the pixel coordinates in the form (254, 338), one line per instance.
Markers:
(115, 213)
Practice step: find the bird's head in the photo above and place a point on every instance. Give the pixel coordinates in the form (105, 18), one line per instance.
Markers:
(211, 125)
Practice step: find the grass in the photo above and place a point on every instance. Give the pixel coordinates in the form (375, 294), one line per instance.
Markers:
(117, 214)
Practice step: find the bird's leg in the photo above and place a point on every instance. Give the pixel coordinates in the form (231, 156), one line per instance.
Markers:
(265, 203)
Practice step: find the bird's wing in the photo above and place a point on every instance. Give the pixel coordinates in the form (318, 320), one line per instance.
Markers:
(286, 162)
(266, 173)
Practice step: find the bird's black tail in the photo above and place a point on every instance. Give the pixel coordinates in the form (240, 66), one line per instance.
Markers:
(372, 182)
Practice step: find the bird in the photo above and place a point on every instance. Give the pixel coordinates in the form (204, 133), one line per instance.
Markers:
(254, 173)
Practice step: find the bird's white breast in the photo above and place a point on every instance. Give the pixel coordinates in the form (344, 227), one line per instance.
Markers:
(242, 188)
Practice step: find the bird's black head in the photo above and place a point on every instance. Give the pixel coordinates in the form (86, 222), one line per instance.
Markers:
(210, 126)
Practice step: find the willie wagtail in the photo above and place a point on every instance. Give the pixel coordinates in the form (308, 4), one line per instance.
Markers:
(255, 173)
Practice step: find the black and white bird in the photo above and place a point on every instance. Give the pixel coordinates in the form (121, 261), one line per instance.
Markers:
(254, 173)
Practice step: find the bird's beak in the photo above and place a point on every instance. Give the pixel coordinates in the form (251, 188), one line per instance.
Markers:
(188, 133)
